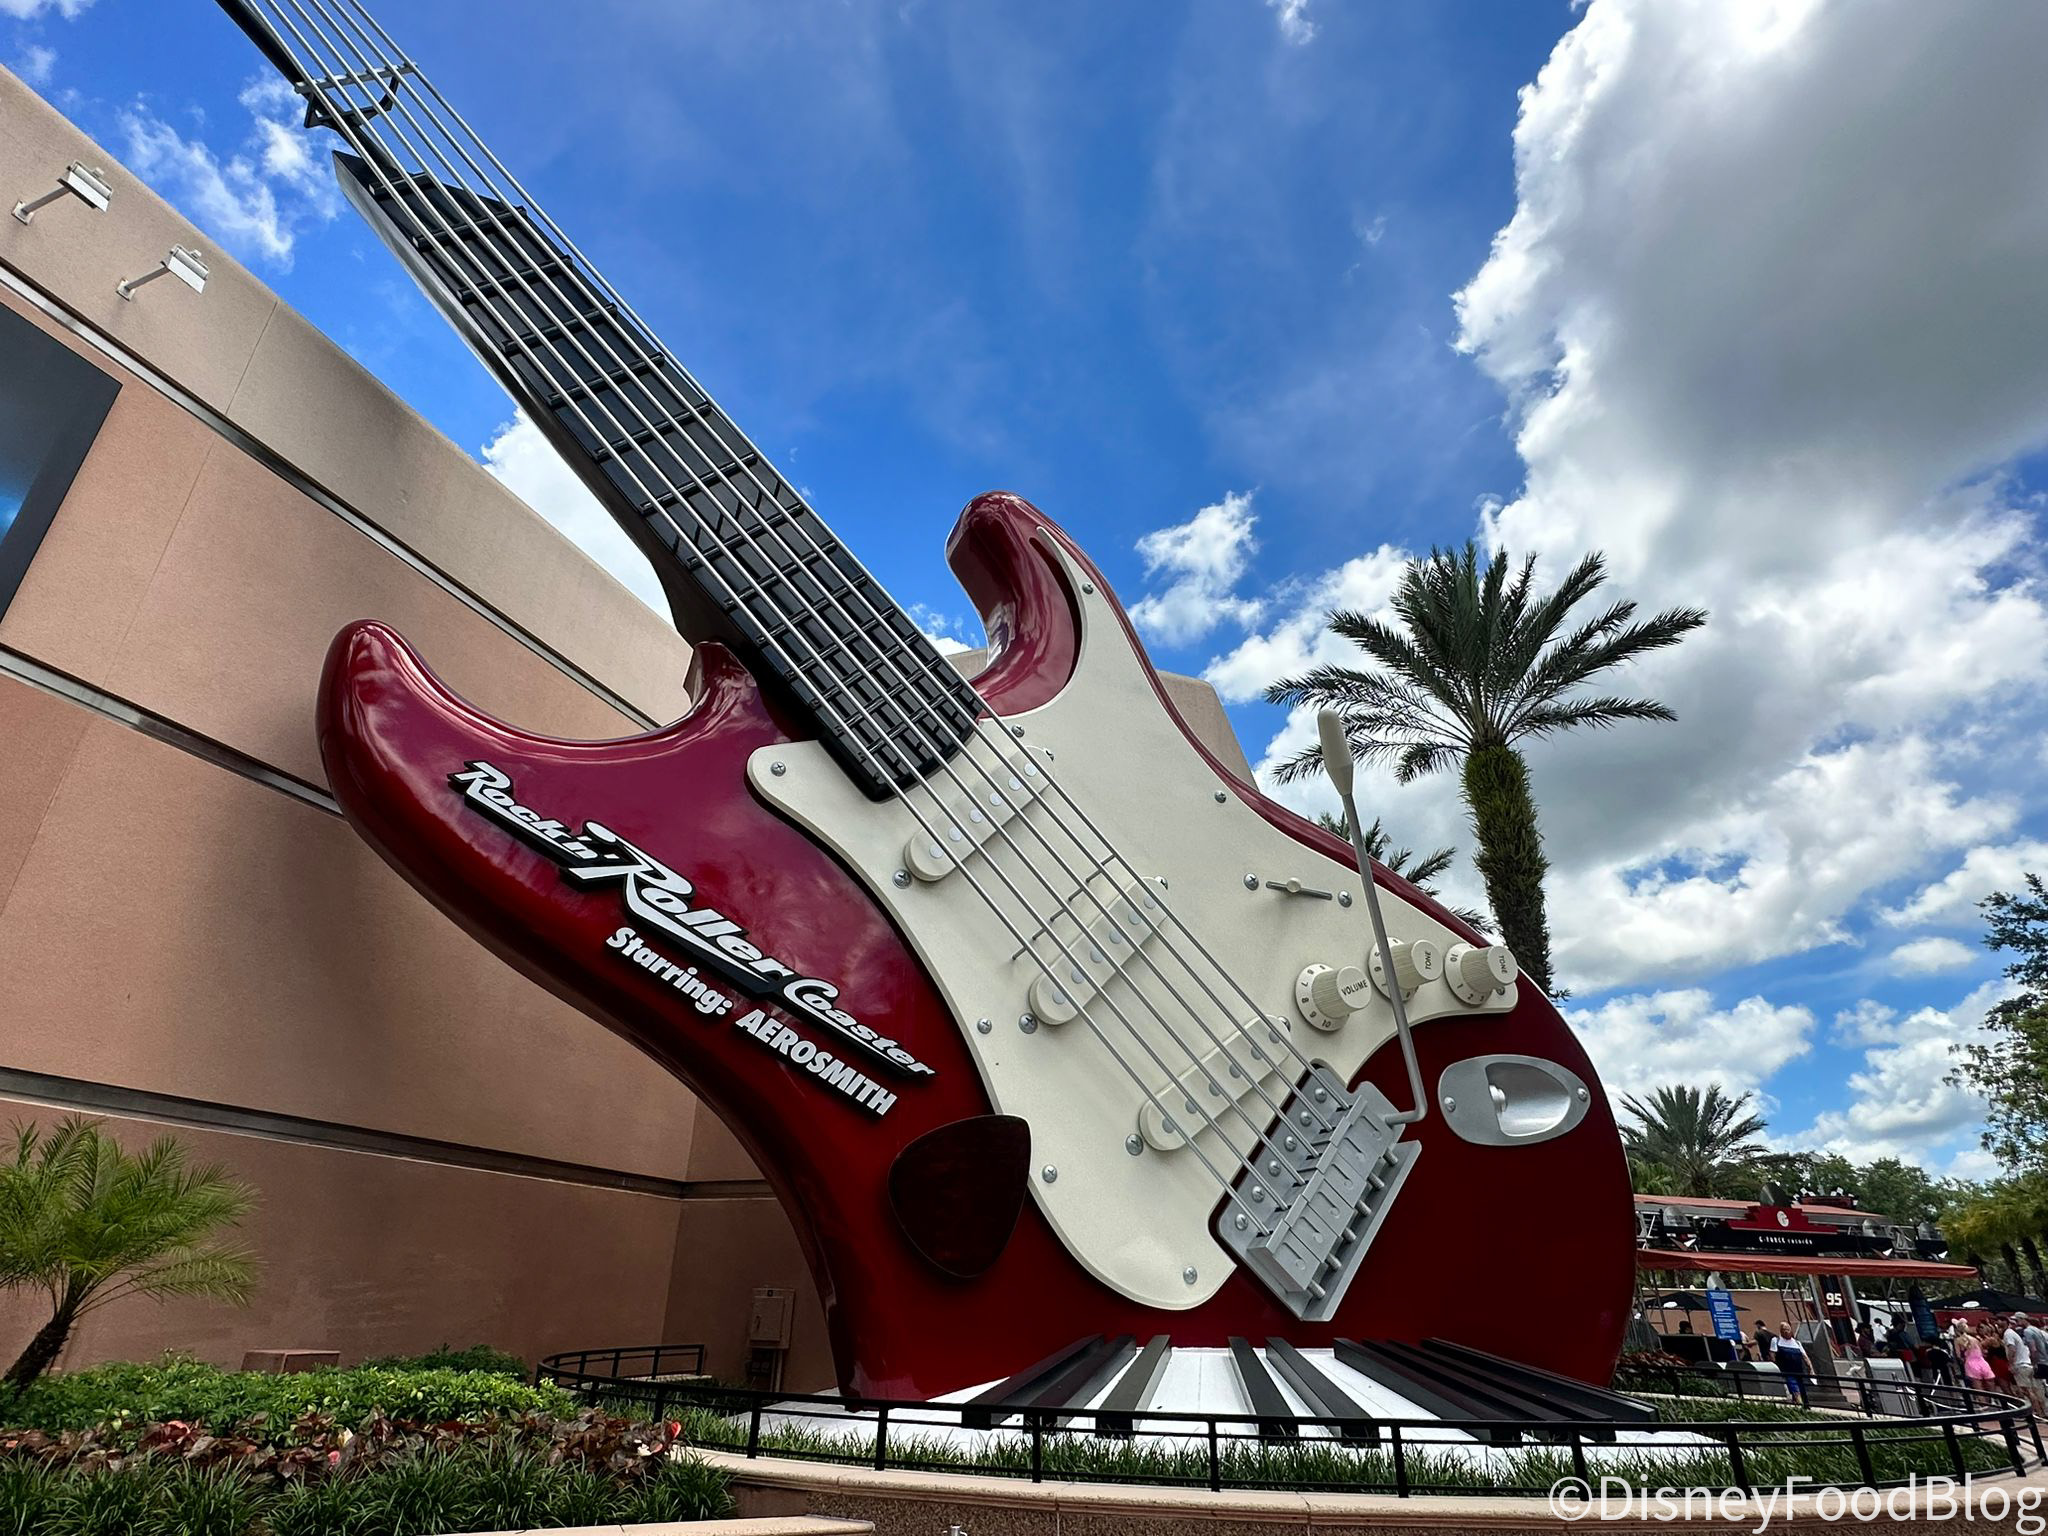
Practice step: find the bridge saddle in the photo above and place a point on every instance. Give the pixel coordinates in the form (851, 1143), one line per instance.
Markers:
(1313, 1196)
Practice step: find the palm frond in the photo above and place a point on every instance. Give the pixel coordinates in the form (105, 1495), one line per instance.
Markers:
(1594, 712)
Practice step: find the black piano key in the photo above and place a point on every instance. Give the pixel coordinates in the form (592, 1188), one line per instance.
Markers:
(1325, 1398)
(1276, 1417)
(1433, 1397)
(1591, 1402)
(1077, 1383)
(991, 1406)
(1501, 1399)
(1132, 1395)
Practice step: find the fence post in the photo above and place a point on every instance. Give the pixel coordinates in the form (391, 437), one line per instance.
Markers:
(1400, 1462)
(1579, 1459)
(2034, 1425)
(1861, 1440)
(1955, 1449)
(2012, 1443)
(1215, 1462)
(1037, 1447)
(754, 1431)
(882, 1437)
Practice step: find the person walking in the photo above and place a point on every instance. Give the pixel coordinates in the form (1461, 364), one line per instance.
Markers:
(1790, 1357)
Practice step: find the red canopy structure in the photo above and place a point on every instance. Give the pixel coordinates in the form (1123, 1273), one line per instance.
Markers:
(1801, 1264)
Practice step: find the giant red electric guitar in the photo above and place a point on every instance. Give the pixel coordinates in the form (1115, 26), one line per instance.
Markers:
(1039, 1021)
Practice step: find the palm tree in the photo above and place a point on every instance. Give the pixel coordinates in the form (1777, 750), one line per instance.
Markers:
(1698, 1144)
(1476, 663)
(88, 1224)
(1420, 873)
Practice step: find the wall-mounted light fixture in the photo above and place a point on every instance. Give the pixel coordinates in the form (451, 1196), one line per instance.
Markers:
(89, 187)
(186, 266)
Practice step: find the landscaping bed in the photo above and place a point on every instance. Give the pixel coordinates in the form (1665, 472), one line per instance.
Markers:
(182, 1449)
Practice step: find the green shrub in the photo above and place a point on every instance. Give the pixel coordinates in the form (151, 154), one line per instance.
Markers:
(123, 1398)
(490, 1486)
(478, 1357)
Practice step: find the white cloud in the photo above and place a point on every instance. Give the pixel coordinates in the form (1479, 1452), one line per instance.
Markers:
(37, 64)
(257, 199)
(1295, 24)
(1767, 316)
(1299, 637)
(1773, 870)
(1952, 900)
(1202, 560)
(1642, 1041)
(529, 467)
(1900, 1104)
(1924, 957)
(944, 630)
(29, 10)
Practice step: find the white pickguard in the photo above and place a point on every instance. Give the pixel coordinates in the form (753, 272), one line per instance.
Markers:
(1140, 1223)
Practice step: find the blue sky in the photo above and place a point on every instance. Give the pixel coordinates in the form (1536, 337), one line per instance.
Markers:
(1257, 298)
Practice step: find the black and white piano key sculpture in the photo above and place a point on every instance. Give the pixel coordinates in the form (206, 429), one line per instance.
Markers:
(1463, 1399)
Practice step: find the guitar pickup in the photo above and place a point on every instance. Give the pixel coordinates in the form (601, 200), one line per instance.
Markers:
(972, 820)
(1208, 1090)
(1112, 940)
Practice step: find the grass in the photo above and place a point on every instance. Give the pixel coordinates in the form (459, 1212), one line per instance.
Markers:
(1818, 1446)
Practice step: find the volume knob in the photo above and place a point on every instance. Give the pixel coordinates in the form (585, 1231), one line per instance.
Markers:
(1328, 997)
(1477, 971)
(1414, 963)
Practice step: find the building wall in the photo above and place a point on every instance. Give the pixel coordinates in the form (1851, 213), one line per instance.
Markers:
(191, 938)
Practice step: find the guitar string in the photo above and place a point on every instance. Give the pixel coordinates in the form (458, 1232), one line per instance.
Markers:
(930, 665)
(1167, 1114)
(1254, 1083)
(590, 279)
(1259, 1128)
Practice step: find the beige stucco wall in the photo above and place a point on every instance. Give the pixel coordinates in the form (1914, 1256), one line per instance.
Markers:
(174, 927)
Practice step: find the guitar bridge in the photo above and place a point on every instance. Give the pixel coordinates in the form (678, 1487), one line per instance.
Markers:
(1319, 1186)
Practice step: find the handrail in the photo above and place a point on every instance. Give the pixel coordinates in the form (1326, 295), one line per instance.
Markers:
(1966, 1415)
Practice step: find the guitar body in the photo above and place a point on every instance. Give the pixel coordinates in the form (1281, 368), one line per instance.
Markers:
(884, 1119)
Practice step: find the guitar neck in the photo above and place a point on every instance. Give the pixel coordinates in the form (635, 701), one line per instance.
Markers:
(742, 556)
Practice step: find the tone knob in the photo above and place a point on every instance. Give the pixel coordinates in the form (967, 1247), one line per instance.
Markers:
(1477, 971)
(1414, 963)
(1328, 996)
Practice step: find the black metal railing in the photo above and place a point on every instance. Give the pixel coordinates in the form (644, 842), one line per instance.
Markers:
(1957, 1432)
(638, 1362)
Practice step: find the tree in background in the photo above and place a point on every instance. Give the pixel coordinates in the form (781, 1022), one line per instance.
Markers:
(87, 1224)
(1905, 1193)
(2010, 1070)
(1418, 872)
(1702, 1144)
(1476, 663)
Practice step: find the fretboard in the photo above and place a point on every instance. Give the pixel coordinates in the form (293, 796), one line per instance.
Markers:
(745, 558)
(741, 555)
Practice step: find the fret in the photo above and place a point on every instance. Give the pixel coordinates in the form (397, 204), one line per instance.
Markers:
(546, 340)
(509, 285)
(881, 698)
(587, 389)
